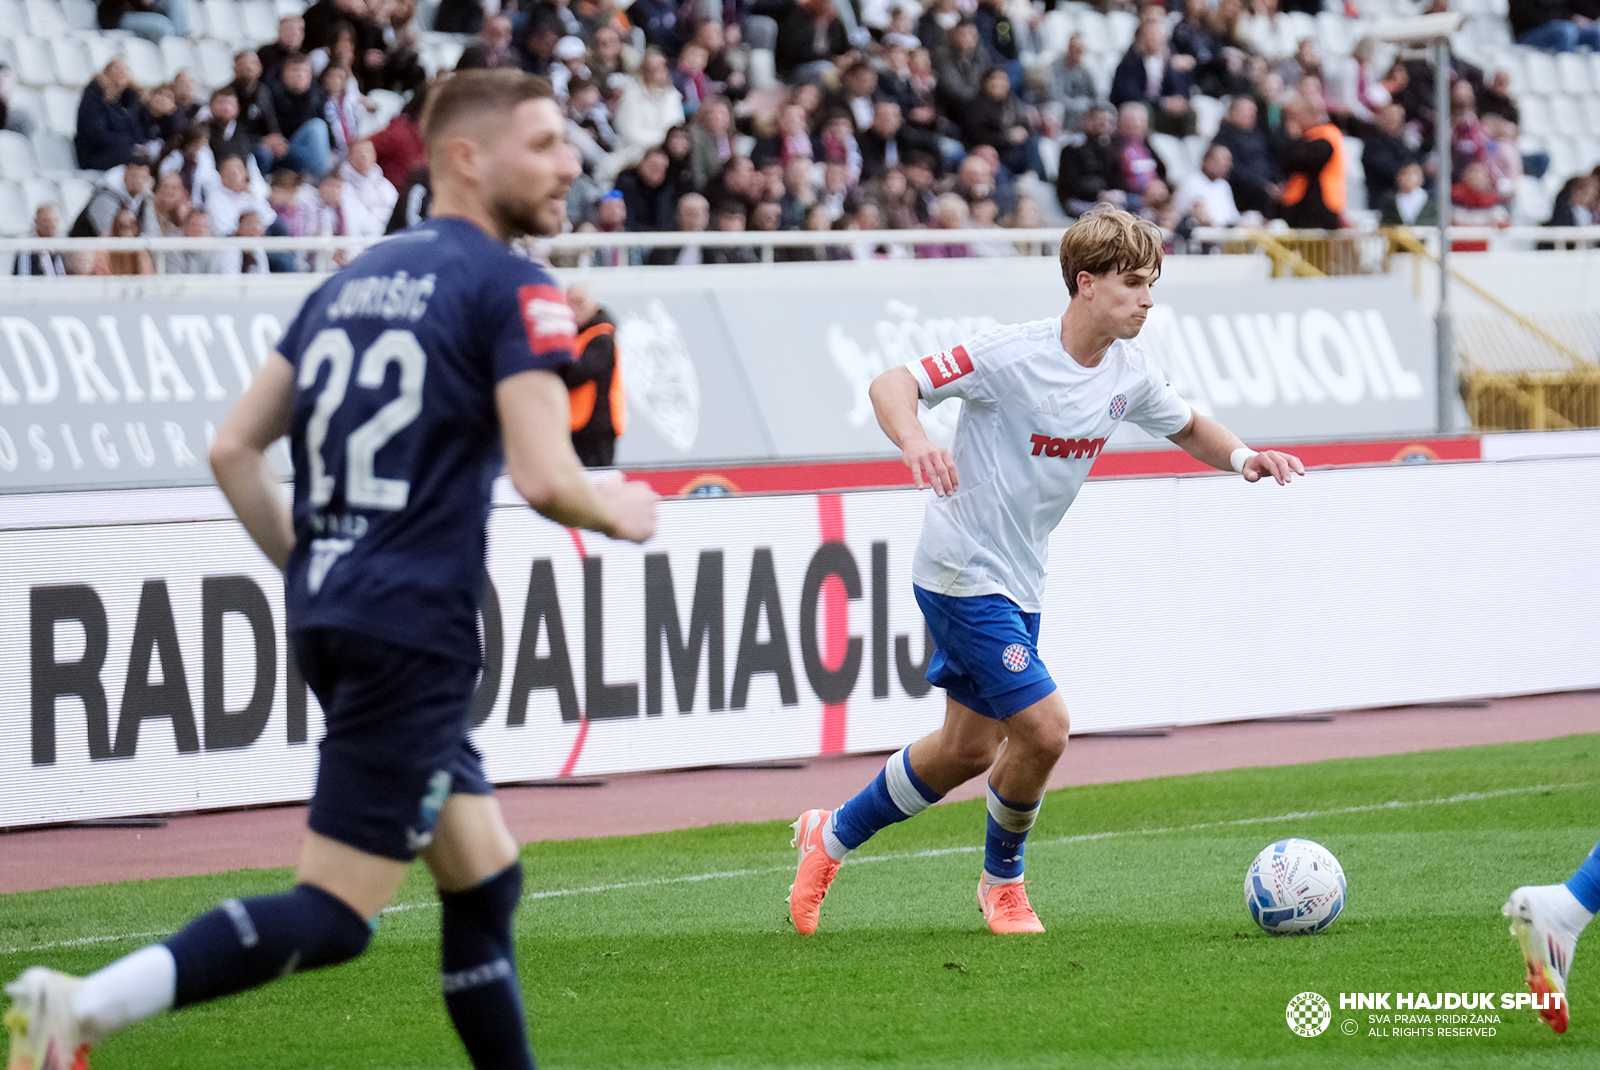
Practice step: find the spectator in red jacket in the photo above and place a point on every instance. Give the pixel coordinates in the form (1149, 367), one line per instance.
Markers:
(399, 145)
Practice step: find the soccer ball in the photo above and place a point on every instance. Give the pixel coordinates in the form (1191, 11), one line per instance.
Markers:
(1294, 887)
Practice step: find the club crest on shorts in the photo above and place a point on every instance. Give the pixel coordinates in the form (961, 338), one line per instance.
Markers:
(1119, 405)
(1015, 657)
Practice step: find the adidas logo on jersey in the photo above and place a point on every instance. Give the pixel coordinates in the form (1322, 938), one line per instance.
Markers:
(1048, 407)
(1066, 447)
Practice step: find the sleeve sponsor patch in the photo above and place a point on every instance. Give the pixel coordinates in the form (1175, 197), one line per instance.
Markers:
(945, 368)
(548, 320)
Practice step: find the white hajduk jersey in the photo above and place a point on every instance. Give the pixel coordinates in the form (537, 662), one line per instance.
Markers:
(1033, 423)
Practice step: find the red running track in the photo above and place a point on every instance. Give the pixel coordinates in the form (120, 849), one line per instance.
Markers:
(658, 802)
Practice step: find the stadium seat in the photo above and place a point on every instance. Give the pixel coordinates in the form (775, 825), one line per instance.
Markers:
(1490, 33)
(1541, 70)
(1208, 112)
(1096, 34)
(15, 219)
(25, 99)
(389, 105)
(1591, 112)
(145, 62)
(1510, 61)
(1535, 117)
(1333, 33)
(260, 20)
(287, 8)
(33, 62)
(1565, 115)
(1103, 66)
(16, 156)
(80, 15)
(54, 153)
(180, 54)
(1573, 71)
(8, 52)
(441, 54)
(1120, 25)
(75, 193)
(1056, 31)
(1586, 149)
(60, 107)
(216, 62)
(45, 18)
(12, 13)
(223, 21)
(1050, 156)
(1532, 205)
(763, 68)
(37, 191)
(103, 48)
(426, 12)
(1174, 155)
(1301, 25)
(1563, 160)
(71, 58)
(1355, 178)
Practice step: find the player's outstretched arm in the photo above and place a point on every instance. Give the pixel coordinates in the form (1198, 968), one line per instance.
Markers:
(239, 459)
(894, 398)
(1206, 440)
(534, 419)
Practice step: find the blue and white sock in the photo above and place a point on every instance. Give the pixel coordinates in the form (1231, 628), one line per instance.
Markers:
(1009, 823)
(895, 794)
(1585, 884)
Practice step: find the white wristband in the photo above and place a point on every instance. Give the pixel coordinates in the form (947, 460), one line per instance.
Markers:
(1239, 456)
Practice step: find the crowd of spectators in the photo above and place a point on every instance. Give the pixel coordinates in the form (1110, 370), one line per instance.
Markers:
(278, 151)
(885, 114)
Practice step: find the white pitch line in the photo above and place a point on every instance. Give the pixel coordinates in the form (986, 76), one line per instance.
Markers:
(82, 941)
(898, 856)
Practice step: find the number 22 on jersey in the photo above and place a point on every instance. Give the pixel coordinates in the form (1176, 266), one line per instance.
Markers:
(363, 489)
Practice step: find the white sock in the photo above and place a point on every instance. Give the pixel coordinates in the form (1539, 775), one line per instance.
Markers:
(129, 990)
(1568, 910)
(830, 842)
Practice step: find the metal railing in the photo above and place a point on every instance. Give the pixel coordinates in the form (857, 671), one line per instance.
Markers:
(1325, 252)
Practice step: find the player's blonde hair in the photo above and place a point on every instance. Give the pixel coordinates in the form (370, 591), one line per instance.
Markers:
(1107, 240)
(472, 93)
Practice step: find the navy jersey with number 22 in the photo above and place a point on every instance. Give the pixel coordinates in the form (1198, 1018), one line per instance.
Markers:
(395, 434)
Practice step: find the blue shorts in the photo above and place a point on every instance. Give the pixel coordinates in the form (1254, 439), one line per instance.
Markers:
(397, 743)
(987, 655)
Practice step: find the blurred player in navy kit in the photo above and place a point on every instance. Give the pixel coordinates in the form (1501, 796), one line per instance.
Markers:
(406, 383)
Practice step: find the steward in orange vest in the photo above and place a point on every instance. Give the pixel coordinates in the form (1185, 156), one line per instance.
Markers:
(594, 384)
(1313, 198)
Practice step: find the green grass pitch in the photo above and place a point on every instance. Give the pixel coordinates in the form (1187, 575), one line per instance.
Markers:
(675, 950)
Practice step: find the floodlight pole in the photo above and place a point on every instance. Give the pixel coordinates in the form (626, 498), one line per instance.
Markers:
(1444, 334)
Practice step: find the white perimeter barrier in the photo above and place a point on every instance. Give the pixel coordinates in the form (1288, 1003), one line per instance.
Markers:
(142, 655)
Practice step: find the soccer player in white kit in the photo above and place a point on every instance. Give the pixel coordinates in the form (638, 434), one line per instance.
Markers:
(1041, 400)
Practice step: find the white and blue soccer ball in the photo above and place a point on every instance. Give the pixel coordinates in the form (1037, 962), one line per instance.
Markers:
(1294, 887)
